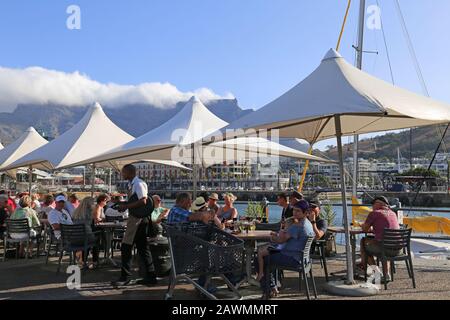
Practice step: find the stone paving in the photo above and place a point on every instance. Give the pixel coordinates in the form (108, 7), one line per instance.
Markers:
(33, 279)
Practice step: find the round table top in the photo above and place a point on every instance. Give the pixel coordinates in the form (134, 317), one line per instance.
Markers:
(353, 230)
(254, 235)
(111, 225)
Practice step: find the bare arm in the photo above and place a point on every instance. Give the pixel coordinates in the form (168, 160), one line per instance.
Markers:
(56, 226)
(282, 237)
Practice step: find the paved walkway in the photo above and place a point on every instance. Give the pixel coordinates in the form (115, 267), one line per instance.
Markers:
(33, 279)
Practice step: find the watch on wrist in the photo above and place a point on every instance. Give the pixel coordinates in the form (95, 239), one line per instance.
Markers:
(313, 222)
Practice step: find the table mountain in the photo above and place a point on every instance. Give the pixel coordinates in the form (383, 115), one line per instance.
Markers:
(54, 120)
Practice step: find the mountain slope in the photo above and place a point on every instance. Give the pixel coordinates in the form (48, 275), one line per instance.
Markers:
(424, 143)
(54, 120)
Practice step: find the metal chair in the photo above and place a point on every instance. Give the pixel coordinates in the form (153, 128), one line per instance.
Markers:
(21, 227)
(51, 240)
(395, 246)
(318, 252)
(304, 267)
(74, 238)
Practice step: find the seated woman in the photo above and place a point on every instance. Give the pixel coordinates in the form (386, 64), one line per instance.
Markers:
(228, 212)
(294, 239)
(24, 211)
(85, 214)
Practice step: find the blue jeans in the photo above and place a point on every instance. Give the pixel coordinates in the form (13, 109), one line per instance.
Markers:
(275, 259)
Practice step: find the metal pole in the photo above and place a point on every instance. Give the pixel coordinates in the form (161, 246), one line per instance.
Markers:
(30, 179)
(194, 173)
(348, 249)
(93, 180)
(110, 180)
(359, 56)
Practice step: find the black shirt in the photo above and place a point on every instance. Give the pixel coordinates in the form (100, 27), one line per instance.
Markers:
(322, 225)
(287, 212)
(3, 216)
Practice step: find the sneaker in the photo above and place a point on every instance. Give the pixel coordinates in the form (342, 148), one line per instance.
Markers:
(147, 282)
(121, 282)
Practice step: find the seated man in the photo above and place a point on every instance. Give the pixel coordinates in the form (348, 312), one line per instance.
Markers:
(59, 216)
(112, 212)
(320, 225)
(382, 217)
(282, 201)
(294, 240)
(180, 212)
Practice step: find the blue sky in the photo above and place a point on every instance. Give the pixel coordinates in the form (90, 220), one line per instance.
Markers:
(255, 49)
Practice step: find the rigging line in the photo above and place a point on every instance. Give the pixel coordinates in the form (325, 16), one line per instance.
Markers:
(415, 61)
(411, 48)
(429, 167)
(386, 46)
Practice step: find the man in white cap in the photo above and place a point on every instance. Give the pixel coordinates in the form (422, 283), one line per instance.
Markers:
(59, 216)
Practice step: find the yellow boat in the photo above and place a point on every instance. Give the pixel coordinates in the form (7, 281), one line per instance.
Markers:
(439, 225)
(431, 225)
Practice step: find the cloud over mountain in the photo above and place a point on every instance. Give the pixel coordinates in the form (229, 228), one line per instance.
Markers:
(36, 85)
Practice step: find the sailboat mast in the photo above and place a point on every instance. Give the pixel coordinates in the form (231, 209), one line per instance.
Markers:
(359, 56)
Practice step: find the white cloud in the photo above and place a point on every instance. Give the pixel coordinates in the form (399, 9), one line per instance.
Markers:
(36, 85)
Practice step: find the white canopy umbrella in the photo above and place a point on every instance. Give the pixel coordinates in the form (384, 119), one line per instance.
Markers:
(29, 141)
(338, 99)
(94, 134)
(364, 103)
(193, 123)
(175, 141)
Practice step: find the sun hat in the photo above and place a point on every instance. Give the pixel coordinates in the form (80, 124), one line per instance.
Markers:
(382, 199)
(214, 196)
(60, 199)
(302, 205)
(198, 204)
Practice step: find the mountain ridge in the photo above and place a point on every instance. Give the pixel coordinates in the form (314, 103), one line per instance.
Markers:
(137, 119)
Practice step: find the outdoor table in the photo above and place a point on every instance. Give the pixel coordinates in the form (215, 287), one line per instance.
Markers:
(250, 239)
(354, 231)
(108, 228)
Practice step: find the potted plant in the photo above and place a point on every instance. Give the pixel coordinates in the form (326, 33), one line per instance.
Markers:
(329, 215)
(254, 211)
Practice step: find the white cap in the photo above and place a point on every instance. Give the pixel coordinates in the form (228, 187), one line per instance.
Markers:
(60, 198)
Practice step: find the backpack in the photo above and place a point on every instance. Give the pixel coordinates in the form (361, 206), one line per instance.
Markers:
(144, 211)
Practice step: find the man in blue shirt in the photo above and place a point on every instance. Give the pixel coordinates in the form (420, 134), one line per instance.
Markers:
(180, 212)
(294, 240)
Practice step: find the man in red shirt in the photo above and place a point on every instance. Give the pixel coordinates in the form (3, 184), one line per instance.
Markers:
(11, 204)
(382, 217)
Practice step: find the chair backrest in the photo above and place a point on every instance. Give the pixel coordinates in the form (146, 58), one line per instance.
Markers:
(396, 239)
(73, 234)
(307, 250)
(17, 226)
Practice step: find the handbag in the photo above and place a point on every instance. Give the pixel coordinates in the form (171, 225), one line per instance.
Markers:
(144, 211)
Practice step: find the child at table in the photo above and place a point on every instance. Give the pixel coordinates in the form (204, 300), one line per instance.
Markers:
(265, 250)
